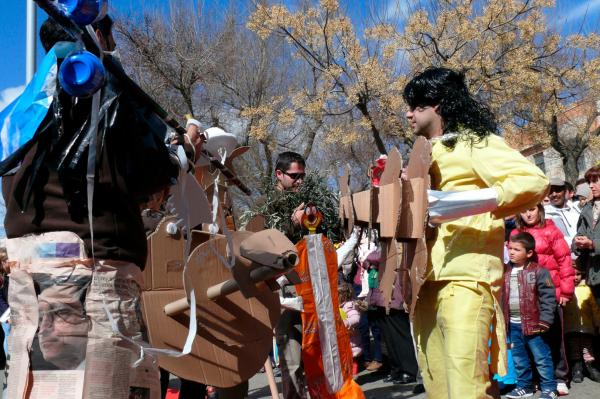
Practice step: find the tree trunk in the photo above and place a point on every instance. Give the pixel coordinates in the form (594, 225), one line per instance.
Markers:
(569, 161)
(362, 107)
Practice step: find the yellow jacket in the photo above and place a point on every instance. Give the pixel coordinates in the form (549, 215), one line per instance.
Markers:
(582, 313)
(470, 248)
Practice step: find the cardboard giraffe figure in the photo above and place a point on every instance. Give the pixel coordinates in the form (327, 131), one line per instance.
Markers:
(398, 210)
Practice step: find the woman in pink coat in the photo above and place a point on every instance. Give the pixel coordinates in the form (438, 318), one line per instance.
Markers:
(555, 255)
(552, 250)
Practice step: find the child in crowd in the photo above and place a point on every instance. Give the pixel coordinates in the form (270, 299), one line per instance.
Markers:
(368, 258)
(529, 303)
(582, 319)
(351, 318)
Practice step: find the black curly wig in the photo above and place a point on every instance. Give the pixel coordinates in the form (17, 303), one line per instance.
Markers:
(457, 107)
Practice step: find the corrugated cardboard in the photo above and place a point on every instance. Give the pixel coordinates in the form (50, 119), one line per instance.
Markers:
(164, 265)
(398, 207)
(234, 335)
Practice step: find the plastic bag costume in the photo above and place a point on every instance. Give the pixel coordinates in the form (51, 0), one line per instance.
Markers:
(326, 351)
(75, 294)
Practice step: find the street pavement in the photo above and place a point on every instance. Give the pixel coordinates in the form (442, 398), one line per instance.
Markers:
(374, 387)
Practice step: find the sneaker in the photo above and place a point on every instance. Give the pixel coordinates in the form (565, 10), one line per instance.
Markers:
(548, 395)
(374, 366)
(519, 393)
(562, 388)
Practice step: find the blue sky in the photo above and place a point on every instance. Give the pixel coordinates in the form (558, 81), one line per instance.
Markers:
(569, 16)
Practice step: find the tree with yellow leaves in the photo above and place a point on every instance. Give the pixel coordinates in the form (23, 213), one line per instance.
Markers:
(526, 74)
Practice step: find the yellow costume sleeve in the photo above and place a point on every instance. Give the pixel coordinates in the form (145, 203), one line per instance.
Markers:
(519, 183)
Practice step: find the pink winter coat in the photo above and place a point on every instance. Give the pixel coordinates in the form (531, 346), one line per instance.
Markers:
(351, 323)
(555, 255)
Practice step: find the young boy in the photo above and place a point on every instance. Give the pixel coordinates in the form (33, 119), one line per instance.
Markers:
(529, 303)
(582, 318)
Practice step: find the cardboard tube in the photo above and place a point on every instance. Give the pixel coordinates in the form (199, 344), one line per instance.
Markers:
(176, 307)
(271, 378)
(230, 286)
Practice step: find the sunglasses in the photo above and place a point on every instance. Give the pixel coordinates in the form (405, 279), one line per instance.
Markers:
(296, 176)
(557, 189)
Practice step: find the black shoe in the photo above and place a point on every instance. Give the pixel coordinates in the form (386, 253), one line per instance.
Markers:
(419, 388)
(390, 378)
(404, 378)
(593, 372)
(577, 372)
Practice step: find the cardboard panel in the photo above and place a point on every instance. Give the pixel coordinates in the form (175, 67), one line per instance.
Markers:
(420, 159)
(346, 212)
(389, 205)
(414, 209)
(393, 168)
(234, 333)
(388, 268)
(257, 223)
(164, 268)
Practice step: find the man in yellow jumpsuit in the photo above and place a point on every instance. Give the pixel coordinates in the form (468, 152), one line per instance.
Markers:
(459, 302)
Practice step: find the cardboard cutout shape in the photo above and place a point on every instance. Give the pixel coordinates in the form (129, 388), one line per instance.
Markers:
(397, 209)
(234, 330)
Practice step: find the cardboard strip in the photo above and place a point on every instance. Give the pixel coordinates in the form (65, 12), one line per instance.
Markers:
(387, 276)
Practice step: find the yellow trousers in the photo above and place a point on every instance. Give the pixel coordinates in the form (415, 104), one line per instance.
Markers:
(452, 332)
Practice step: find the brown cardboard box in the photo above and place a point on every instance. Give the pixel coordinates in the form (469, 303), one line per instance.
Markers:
(164, 265)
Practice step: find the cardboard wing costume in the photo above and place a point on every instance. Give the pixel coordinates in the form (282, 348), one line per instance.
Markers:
(400, 210)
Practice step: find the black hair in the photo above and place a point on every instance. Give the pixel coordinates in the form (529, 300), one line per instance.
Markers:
(286, 159)
(569, 186)
(51, 32)
(525, 239)
(457, 107)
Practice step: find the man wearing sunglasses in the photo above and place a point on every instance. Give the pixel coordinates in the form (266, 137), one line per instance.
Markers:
(289, 173)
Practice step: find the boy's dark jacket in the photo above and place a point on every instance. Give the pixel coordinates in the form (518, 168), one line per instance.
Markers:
(537, 298)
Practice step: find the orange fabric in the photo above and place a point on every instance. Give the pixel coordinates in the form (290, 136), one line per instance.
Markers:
(311, 346)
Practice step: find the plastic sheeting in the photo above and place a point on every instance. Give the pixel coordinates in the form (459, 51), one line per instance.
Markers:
(21, 118)
(445, 206)
(64, 133)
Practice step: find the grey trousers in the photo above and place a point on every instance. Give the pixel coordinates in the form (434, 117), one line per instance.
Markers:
(288, 335)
